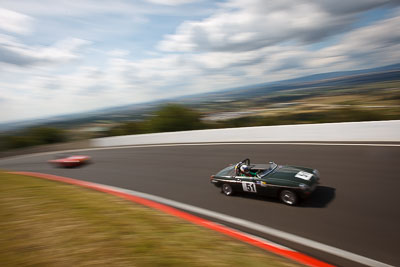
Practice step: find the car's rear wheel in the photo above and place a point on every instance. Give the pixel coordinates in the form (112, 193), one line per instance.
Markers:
(227, 189)
(289, 197)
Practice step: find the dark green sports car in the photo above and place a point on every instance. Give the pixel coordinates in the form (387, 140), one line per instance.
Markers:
(289, 183)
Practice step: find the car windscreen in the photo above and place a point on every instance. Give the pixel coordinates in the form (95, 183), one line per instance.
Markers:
(228, 171)
(272, 167)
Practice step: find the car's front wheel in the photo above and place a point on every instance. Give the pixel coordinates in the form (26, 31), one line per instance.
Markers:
(288, 197)
(227, 189)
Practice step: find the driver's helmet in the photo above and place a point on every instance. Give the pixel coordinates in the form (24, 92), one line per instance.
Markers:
(244, 168)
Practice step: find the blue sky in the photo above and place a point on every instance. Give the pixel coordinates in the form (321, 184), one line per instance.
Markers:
(59, 57)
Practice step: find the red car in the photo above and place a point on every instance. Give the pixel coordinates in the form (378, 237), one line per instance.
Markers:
(70, 161)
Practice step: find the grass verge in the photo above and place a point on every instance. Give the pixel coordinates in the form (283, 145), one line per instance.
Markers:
(47, 223)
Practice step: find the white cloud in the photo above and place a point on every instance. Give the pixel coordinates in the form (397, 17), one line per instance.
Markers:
(86, 8)
(171, 2)
(118, 53)
(70, 8)
(366, 46)
(15, 22)
(16, 53)
(353, 6)
(123, 81)
(242, 25)
(241, 43)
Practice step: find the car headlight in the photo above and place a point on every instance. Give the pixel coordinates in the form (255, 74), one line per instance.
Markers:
(316, 173)
(304, 186)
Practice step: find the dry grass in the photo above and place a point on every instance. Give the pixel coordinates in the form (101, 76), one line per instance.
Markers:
(45, 223)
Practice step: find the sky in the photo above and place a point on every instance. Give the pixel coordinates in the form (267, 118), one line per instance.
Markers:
(64, 56)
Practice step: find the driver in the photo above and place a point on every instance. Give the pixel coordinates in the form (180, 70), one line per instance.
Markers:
(245, 171)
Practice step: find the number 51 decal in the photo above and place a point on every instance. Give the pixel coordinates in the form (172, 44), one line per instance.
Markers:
(249, 187)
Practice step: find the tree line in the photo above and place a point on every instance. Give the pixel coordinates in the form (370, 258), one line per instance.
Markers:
(175, 117)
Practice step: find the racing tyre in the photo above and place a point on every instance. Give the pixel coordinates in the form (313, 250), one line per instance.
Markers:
(288, 197)
(227, 189)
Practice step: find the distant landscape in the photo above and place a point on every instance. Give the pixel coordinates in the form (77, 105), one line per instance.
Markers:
(364, 95)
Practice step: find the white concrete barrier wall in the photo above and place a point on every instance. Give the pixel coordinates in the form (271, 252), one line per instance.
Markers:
(376, 131)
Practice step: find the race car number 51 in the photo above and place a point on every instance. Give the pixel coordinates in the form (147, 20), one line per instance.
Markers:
(249, 187)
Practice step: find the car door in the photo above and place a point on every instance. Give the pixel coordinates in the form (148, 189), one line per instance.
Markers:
(271, 185)
(248, 184)
(261, 186)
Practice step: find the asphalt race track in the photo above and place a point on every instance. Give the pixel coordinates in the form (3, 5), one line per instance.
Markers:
(355, 208)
